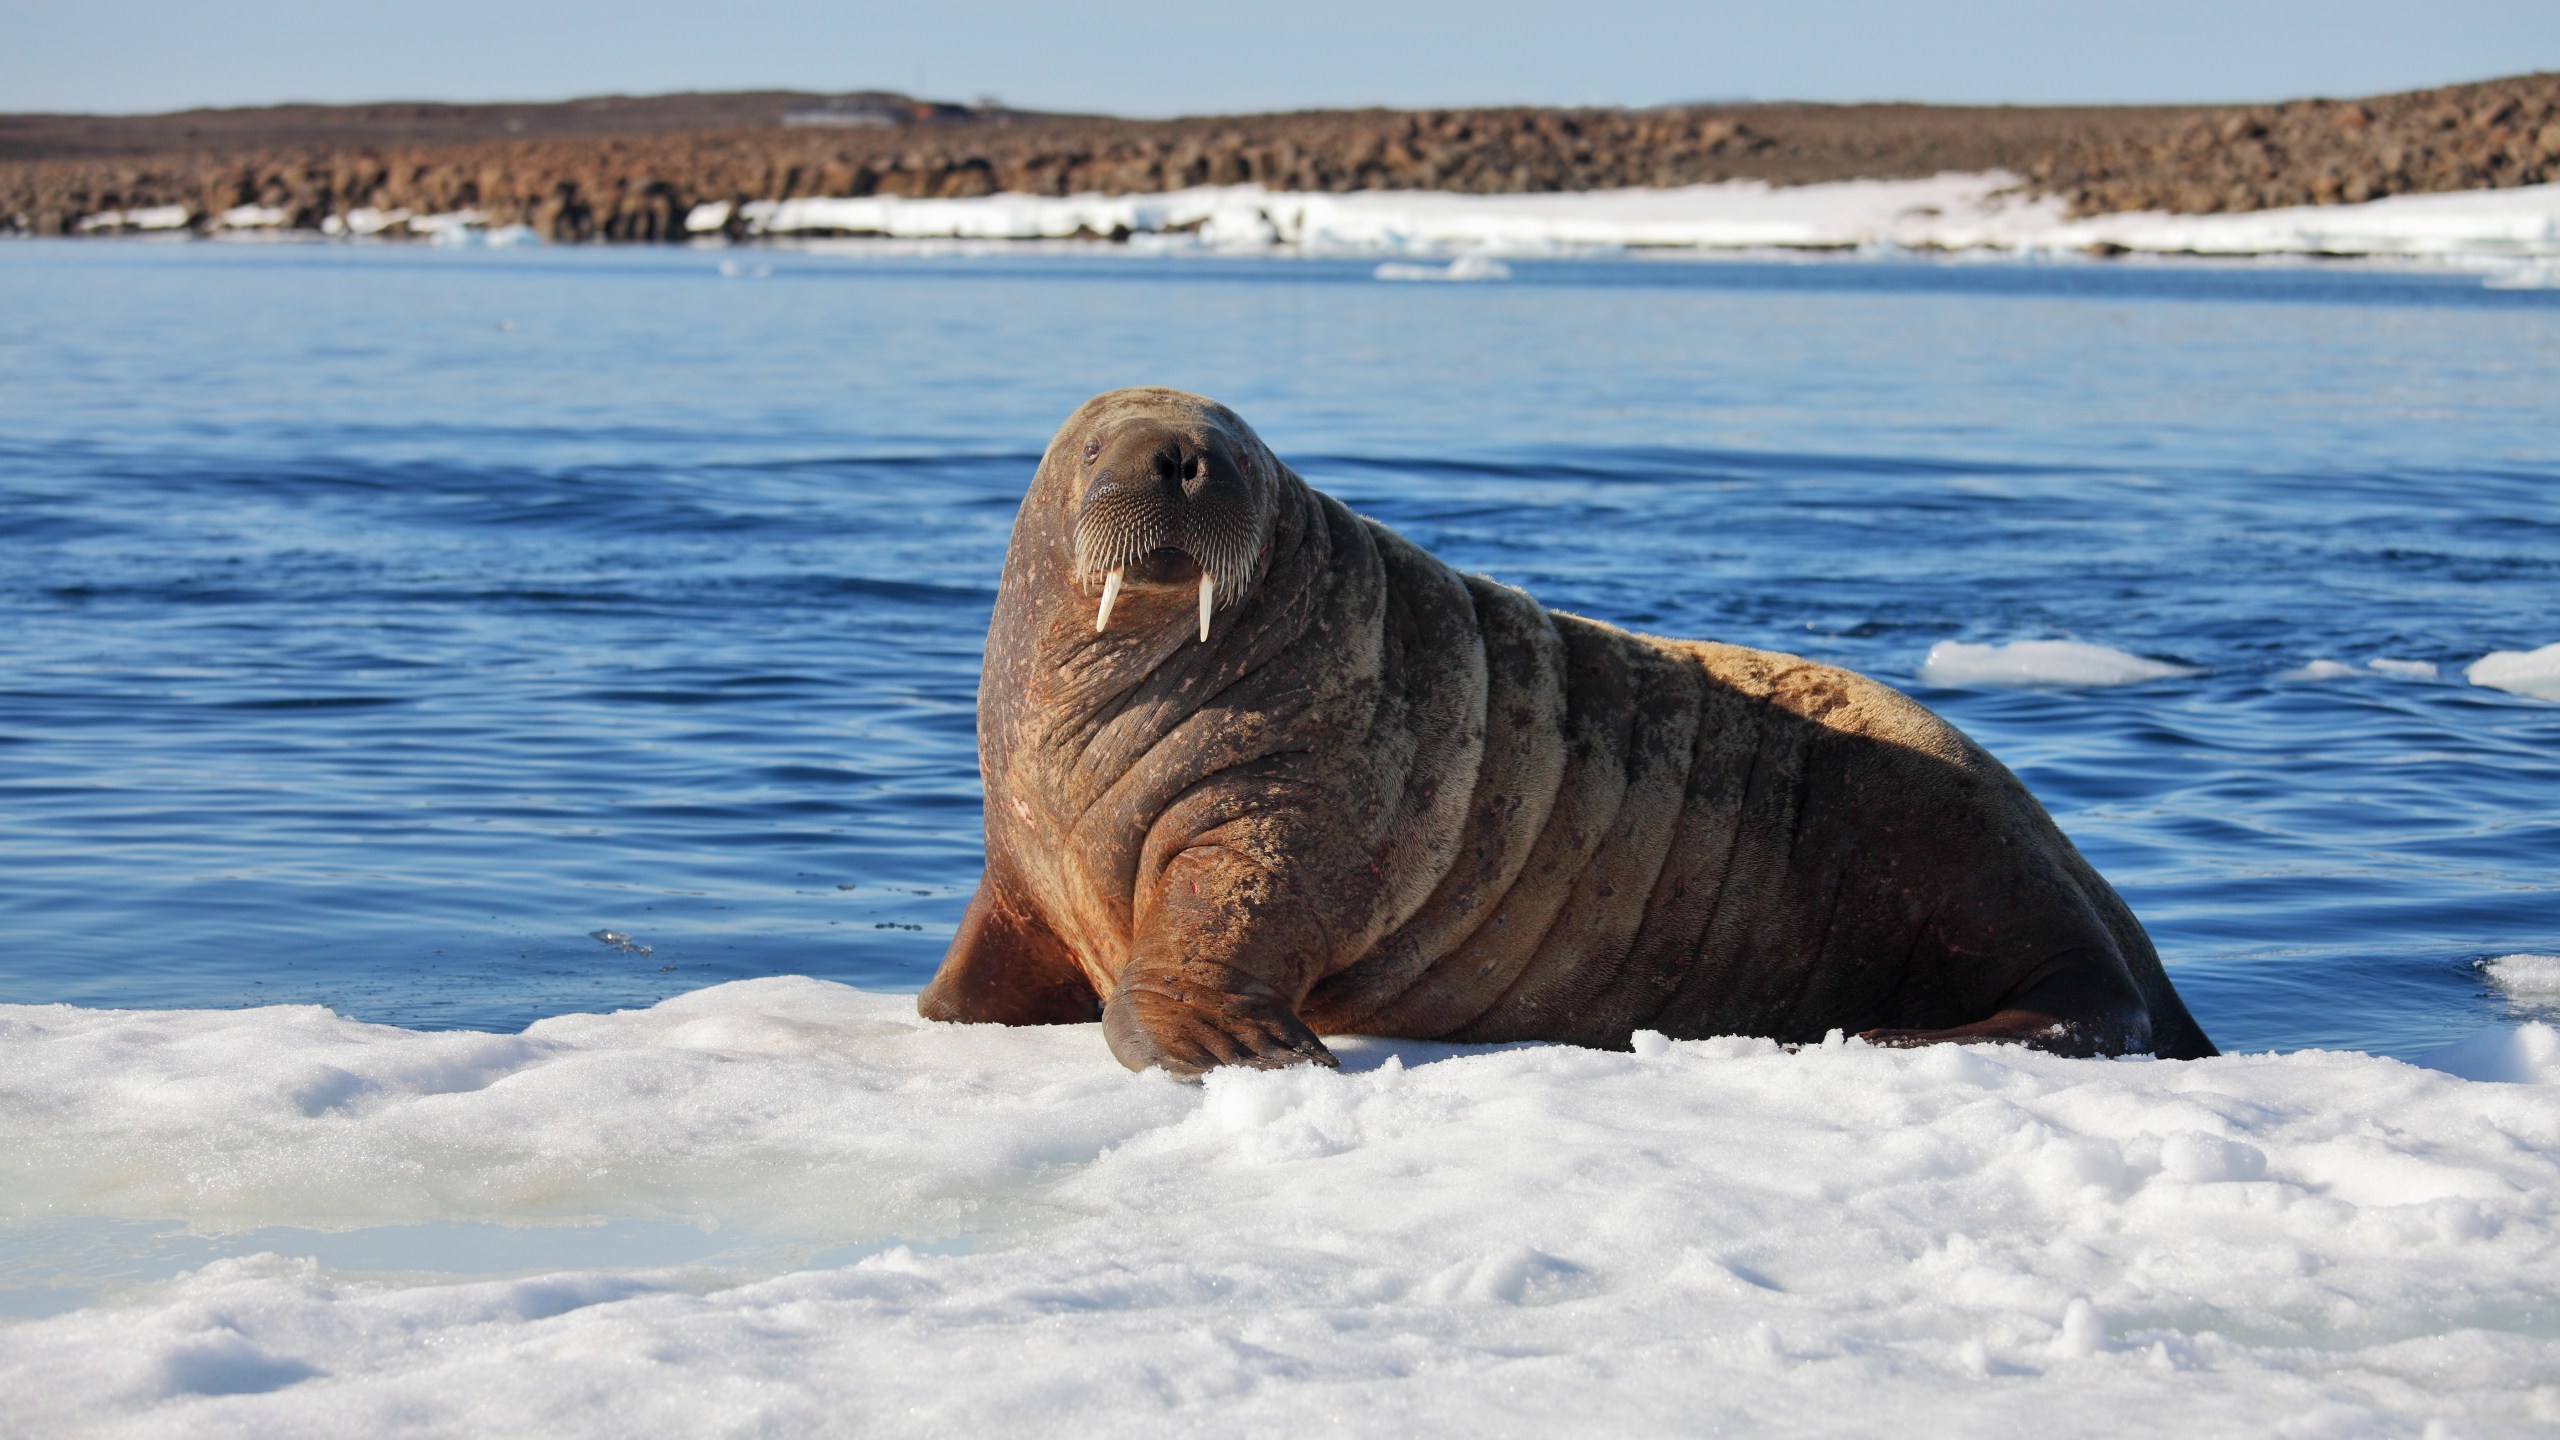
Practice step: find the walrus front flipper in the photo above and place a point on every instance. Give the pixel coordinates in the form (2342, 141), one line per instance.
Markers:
(1190, 1016)
(1005, 967)
(2084, 1005)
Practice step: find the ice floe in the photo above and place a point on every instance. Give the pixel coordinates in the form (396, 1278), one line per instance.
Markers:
(2526, 976)
(2069, 663)
(1465, 267)
(1714, 1235)
(2519, 672)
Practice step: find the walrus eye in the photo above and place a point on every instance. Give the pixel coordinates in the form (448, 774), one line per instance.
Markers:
(1092, 451)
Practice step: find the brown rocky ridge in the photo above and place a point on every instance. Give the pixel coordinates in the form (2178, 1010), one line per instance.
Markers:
(622, 168)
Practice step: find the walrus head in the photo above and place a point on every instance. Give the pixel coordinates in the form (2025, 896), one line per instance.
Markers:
(1170, 491)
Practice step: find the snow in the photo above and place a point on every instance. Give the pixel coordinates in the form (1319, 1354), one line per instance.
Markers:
(1951, 212)
(905, 1228)
(2516, 231)
(149, 217)
(2524, 1055)
(2041, 662)
(2520, 672)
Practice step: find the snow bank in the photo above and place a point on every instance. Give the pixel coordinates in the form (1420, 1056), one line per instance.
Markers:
(1700, 1236)
(2518, 228)
(149, 217)
(2040, 662)
(2521, 672)
(1952, 212)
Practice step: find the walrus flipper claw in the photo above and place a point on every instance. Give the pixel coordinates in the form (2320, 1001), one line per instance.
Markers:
(1201, 1016)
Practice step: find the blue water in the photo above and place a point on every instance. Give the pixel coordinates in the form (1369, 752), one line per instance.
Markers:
(383, 622)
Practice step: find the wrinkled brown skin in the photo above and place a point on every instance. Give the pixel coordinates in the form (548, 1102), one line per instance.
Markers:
(1387, 798)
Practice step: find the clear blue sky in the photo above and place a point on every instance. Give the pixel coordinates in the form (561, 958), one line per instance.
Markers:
(1165, 57)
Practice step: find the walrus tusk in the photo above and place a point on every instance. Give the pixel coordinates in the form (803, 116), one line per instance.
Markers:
(1110, 592)
(1208, 595)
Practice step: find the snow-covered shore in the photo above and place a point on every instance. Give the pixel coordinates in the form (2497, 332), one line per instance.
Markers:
(901, 1228)
(1954, 212)
(1948, 212)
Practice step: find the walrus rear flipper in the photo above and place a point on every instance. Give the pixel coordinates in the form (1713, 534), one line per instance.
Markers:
(2080, 1004)
(1006, 967)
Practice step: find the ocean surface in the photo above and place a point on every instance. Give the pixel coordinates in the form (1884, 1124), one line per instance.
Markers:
(458, 638)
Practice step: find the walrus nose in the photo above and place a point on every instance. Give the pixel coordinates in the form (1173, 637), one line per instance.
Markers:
(1180, 468)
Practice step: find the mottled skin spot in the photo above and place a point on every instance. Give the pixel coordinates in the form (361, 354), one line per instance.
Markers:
(1387, 798)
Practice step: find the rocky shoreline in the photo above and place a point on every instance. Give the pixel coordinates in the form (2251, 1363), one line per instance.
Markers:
(622, 169)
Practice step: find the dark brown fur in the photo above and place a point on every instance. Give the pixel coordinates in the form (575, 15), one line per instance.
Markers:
(1388, 798)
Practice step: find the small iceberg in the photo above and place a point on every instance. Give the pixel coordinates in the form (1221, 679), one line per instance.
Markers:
(2519, 672)
(2065, 663)
(1465, 267)
(2379, 665)
(2525, 977)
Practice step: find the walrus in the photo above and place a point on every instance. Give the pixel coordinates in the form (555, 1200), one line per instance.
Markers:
(1258, 769)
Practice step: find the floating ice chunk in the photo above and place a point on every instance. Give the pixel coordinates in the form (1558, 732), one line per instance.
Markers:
(254, 217)
(708, 216)
(2535, 976)
(2319, 670)
(2405, 669)
(2041, 662)
(1465, 267)
(2519, 672)
(2532, 275)
(2526, 1054)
